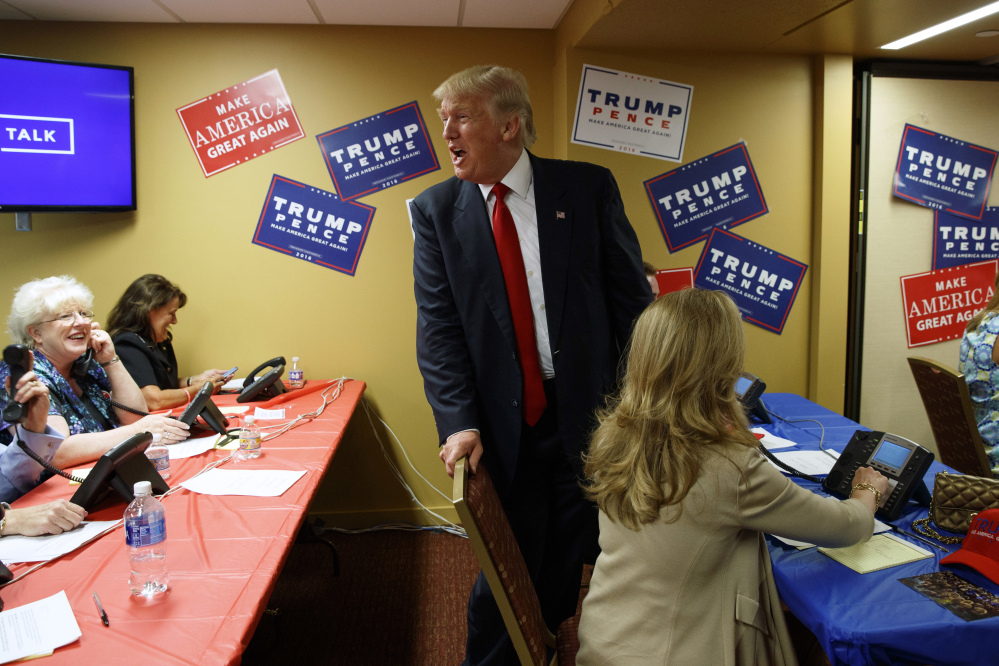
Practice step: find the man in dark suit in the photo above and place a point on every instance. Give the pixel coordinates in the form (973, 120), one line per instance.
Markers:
(528, 278)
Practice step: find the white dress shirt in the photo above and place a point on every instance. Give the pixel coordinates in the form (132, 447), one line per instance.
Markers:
(520, 201)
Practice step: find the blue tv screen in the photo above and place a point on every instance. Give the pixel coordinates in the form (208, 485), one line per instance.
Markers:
(67, 138)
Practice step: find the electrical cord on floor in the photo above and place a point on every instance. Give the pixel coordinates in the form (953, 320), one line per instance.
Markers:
(442, 523)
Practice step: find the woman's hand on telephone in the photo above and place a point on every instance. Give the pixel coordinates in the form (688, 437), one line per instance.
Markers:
(170, 430)
(101, 343)
(869, 476)
(873, 477)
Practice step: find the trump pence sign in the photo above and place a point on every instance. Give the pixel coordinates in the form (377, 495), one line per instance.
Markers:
(379, 151)
(763, 283)
(313, 225)
(632, 113)
(943, 173)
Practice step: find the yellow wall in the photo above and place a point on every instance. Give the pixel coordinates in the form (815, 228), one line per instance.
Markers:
(248, 303)
(765, 101)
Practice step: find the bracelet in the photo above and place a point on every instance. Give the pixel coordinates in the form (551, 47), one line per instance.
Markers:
(111, 362)
(867, 486)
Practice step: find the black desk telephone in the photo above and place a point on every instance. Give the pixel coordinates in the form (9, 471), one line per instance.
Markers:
(902, 461)
(269, 385)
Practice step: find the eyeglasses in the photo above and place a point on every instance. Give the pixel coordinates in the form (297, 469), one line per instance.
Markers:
(69, 317)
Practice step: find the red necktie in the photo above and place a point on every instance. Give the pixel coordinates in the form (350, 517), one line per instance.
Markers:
(512, 262)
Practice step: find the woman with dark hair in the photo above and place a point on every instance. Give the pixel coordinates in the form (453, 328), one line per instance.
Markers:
(979, 362)
(139, 325)
(683, 575)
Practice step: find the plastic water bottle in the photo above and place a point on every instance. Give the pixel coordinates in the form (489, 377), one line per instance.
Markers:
(145, 539)
(296, 375)
(249, 440)
(159, 455)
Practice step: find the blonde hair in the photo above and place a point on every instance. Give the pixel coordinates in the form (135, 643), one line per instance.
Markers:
(677, 399)
(991, 306)
(503, 89)
(40, 299)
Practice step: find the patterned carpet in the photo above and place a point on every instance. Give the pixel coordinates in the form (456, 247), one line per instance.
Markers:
(399, 599)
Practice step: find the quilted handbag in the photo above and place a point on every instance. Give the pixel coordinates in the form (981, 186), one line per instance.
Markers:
(957, 498)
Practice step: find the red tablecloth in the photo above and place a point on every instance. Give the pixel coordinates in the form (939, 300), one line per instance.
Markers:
(224, 553)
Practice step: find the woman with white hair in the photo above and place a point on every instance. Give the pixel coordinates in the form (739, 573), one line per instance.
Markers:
(53, 317)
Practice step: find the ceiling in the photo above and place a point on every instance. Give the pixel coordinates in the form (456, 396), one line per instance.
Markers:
(853, 27)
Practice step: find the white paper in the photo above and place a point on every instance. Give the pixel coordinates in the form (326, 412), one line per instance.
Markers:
(879, 527)
(233, 385)
(191, 447)
(234, 409)
(772, 442)
(807, 462)
(253, 482)
(17, 548)
(273, 414)
(37, 628)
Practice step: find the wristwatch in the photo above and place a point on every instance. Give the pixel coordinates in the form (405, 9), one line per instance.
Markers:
(4, 508)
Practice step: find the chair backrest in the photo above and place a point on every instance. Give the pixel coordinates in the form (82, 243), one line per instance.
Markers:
(496, 548)
(952, 417)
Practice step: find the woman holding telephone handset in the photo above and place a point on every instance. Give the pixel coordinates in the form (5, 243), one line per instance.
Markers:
(76, 360)
(683, 575)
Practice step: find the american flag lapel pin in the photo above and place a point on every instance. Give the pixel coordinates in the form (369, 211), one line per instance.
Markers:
(559, 215)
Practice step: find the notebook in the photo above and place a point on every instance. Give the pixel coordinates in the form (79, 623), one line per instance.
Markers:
(881, 552)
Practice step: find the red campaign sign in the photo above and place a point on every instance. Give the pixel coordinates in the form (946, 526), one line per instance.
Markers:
(674, 279)
(239, 123)
(938, 304)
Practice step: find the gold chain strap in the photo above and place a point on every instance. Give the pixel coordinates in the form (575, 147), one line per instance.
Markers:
(923, 527)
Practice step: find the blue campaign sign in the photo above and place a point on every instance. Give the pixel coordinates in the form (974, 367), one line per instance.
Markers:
(378, 152)
(943, 173)
(720, 190)
(958, 241)
(763, 283)
(312, 224)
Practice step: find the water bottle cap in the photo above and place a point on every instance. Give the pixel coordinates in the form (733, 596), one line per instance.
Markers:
(250, 420)
(142, 488)
(157, 437)
(294, 359)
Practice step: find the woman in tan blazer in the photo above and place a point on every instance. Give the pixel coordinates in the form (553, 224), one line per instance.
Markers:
(684, 576)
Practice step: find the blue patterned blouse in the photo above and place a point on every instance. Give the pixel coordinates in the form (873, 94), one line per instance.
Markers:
(982, 375)
(63, 401)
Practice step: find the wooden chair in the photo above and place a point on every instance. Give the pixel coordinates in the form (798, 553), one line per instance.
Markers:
(493, 542)
(948, 405)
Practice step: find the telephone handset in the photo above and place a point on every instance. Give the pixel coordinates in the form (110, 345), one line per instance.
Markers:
(904, 463)
(18, 359)
(748, 389)
(81, 366)
(268, 386)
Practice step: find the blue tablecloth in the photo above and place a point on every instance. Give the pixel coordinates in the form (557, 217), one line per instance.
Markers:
(871, 618)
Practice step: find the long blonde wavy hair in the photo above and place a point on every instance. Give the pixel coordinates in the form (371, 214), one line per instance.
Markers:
(677, 400)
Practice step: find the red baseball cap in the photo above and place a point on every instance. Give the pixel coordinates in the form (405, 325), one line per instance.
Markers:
(980, 548)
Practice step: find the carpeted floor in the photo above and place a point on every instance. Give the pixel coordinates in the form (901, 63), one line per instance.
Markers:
(399, 599)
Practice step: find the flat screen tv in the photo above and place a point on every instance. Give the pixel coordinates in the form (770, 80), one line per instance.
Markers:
(67, 136)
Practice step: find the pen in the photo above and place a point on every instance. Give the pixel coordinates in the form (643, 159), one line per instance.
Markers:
(918, 538)
(100, 609)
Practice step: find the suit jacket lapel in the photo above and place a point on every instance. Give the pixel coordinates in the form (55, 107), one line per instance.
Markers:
(554, 235)
(473, 230)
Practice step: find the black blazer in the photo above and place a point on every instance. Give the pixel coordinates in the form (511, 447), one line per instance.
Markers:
(594, 284)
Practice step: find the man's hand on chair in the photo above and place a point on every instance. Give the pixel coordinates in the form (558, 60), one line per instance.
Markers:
(461, 444)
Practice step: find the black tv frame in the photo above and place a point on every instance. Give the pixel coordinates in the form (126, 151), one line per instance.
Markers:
(24, 208)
